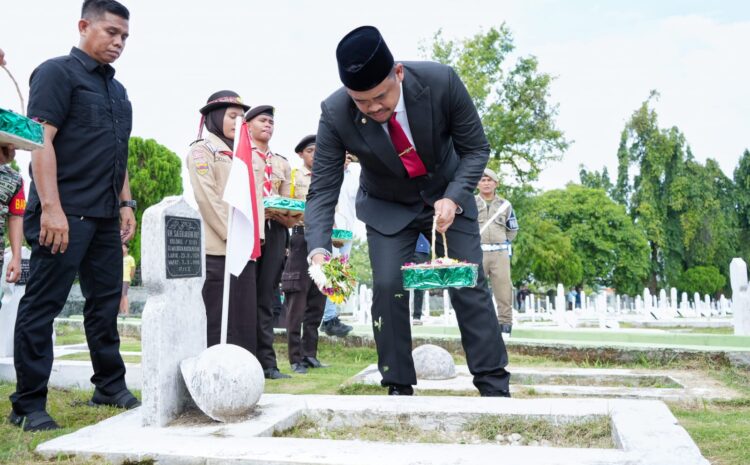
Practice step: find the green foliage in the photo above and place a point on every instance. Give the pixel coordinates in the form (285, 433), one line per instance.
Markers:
(543, 253)
(154, 173)
(513, 101)
(595, 179)
(611, 250)
(701, 279)
(691, 212)
(742, 196)
(359, 258)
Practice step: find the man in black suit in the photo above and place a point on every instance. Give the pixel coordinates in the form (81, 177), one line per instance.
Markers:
(422, 149)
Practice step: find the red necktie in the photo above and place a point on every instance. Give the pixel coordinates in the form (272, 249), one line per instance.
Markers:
(267, 185)
(406, 152)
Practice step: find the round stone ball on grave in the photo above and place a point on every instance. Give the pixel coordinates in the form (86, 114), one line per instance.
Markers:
(225, 381)
(433, 362)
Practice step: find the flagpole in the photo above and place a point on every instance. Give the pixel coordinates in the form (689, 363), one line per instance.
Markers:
(225, 292)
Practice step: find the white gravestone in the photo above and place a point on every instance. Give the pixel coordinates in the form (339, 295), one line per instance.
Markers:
(174, 317)
(12, 293)
(433, 362)
(646, 300)
(740, 297)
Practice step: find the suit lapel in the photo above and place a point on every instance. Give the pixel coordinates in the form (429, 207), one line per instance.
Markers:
(419, 114)
(379, 142)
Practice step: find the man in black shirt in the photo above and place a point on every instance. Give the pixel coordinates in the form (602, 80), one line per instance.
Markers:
(79, 212)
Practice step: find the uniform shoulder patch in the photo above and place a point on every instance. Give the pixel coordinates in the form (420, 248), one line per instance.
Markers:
(199, 161)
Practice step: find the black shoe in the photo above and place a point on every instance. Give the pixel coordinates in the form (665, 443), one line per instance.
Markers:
(494, 393)
(312, 362)
(34, 421)
(274, 373)
(334, 327)
(506, 328)
(299, 368)
(123, 399)
(400, 390)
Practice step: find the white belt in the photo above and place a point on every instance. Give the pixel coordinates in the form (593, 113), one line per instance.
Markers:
(494, 247)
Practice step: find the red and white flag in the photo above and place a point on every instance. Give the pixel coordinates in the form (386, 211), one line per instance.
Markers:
(243, 235)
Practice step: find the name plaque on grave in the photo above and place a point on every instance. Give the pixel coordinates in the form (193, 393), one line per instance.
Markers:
(183, 247)
(25, 270)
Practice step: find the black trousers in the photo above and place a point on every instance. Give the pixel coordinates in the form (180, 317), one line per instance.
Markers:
(95, 252)
(243, 307)
(305, 303)
(270, 265)
(480, 332)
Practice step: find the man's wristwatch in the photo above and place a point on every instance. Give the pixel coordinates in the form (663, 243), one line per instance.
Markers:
(129, 203)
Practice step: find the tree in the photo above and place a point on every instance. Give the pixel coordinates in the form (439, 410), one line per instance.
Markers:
(154, 173)
(612, 250)
(658, 154)
(513, 102)
(359, 258)
(742, 193)
(543, 253)
(596, 179)
(701, 279)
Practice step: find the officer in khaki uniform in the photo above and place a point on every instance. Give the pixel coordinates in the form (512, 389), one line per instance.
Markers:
(305, 302)
(209, 162)
(272, 178)
(498, 227)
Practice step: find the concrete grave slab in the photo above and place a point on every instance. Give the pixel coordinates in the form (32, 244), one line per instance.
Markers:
(644, 433)
(583, 382)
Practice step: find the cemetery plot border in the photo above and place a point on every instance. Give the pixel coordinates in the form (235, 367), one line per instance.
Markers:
(644, 432)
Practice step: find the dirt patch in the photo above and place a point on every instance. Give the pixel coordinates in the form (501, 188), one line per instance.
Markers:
(593, 432)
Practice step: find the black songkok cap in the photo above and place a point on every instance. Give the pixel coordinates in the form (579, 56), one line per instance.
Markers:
(259, 110)
(307, 140)
(364, 59)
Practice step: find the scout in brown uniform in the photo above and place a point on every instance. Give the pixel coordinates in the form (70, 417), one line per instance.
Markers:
(305, 302)
(209, 163)
(498, 226)
(272, 177)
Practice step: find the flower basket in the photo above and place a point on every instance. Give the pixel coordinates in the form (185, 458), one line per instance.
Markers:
(341, 236)
(439, 273)
(284, 205)
(18, 130)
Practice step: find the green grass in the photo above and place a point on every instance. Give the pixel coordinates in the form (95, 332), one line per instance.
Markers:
(67, 407)
(84, 356)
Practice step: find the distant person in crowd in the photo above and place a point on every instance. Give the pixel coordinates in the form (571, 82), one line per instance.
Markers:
(128, 273)
(305, 302)
(345, 218)
(419, 140)
(12, 208)
(421, 255)
(208, 164)
(521, 296)
(578, 297)
(272, 178)
(571, 297)
(498, 227)
(79, 212)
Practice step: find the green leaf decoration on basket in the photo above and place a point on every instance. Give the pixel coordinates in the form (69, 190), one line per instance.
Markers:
(439, 273)
(284, 203)
(20, 131)
(342, 235)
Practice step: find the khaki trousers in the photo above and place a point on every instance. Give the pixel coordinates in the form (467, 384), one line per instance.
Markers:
(496, 266)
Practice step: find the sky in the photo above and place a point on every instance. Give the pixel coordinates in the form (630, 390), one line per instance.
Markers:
(606, 57)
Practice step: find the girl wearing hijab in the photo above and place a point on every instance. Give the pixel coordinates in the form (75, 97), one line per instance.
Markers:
(209, 163)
